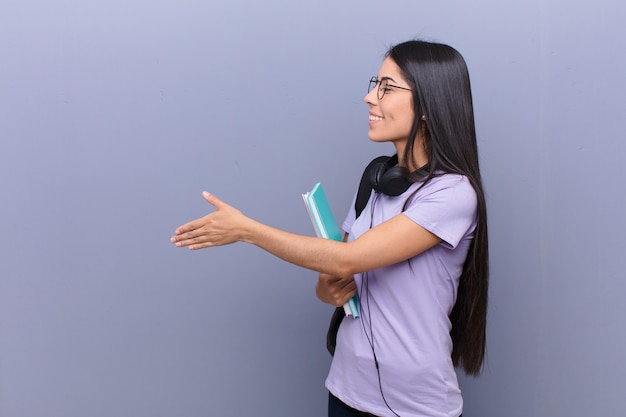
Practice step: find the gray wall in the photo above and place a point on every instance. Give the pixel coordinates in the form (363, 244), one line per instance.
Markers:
(115, 115)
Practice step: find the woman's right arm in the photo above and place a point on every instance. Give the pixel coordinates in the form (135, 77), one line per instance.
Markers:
(390, 242)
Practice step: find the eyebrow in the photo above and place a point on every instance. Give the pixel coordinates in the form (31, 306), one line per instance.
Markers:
(387, 78)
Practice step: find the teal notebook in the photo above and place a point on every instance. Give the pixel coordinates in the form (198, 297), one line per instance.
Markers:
(326, 227)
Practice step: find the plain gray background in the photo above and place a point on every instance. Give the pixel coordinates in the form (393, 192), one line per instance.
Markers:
(115, 115)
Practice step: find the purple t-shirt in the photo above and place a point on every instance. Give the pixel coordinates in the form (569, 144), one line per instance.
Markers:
(405, 308)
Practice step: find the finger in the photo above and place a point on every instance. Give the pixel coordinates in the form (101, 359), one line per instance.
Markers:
(196, 242)
(185, 228)
(338, 282)
(180, 241)
(189, 241)
(347, 284)
(328, 279)
(190, 227)
(202, 245)
(340, 299)
(214, 201)
(342, 291)
(347, 292)
(346, 298)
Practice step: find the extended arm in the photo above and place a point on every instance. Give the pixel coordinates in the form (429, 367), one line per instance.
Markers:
(370, 251)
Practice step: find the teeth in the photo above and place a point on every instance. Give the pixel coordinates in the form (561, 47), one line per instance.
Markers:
(375, 118)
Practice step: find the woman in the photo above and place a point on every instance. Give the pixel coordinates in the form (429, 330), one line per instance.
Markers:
(417, 255)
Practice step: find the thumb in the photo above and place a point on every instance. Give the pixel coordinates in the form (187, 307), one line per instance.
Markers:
(214, 201)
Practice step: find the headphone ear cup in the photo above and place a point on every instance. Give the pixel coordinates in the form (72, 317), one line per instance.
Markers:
(376, 172)
(394, 181)
(384, 177)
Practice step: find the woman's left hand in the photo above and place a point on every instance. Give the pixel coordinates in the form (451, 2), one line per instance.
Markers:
(334, 290)
(224, 226)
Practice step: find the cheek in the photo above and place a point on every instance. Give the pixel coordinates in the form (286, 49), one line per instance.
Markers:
(409, 123)
(399, 111)
(408, 117)
(403, 120)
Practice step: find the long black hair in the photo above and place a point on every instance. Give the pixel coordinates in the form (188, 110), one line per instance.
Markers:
(444, 117)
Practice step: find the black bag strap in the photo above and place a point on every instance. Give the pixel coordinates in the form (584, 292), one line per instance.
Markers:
(365, 187)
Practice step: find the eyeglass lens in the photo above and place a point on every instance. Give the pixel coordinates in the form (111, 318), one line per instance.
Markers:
(382, 87)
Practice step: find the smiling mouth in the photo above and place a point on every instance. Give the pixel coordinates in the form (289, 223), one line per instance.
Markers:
(375, 118)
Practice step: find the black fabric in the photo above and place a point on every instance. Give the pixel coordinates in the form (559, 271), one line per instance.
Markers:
(337, 408)
(333, 328)
(366, 185)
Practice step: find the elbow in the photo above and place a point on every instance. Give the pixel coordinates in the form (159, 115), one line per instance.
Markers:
(346, 269)
(348, 261)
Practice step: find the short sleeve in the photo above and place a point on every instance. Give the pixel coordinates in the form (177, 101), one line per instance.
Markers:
(350, 217)
(446, 207)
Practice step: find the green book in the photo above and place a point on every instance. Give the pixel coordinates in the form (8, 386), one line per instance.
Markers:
(325, 226)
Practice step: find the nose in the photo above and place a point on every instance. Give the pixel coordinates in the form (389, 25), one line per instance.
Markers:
(370, 98)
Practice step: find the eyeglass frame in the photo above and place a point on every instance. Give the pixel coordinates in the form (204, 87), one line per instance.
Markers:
(374, 81)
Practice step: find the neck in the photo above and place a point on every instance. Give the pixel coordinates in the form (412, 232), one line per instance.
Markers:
(419, 156)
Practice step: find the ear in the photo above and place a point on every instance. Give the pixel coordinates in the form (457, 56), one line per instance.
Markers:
(422, 126)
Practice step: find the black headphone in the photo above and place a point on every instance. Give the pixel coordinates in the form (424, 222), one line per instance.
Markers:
(385, 177)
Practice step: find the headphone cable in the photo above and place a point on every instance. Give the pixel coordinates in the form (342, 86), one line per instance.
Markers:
(365, 279)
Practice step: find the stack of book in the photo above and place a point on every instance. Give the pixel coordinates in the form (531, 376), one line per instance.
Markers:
(326, 227)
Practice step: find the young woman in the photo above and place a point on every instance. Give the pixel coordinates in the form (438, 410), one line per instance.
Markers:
(417, 254)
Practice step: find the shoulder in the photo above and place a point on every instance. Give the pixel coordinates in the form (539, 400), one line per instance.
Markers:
(445, 186)
(446, 206)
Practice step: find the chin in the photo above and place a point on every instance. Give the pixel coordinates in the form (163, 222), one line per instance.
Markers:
(376, 138)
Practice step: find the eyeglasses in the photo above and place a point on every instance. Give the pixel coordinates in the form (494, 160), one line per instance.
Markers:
(383, 87)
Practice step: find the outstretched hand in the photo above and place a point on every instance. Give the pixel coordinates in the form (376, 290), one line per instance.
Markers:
(224, 226)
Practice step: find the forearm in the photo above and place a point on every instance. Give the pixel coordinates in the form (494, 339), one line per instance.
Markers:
(317, 254)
